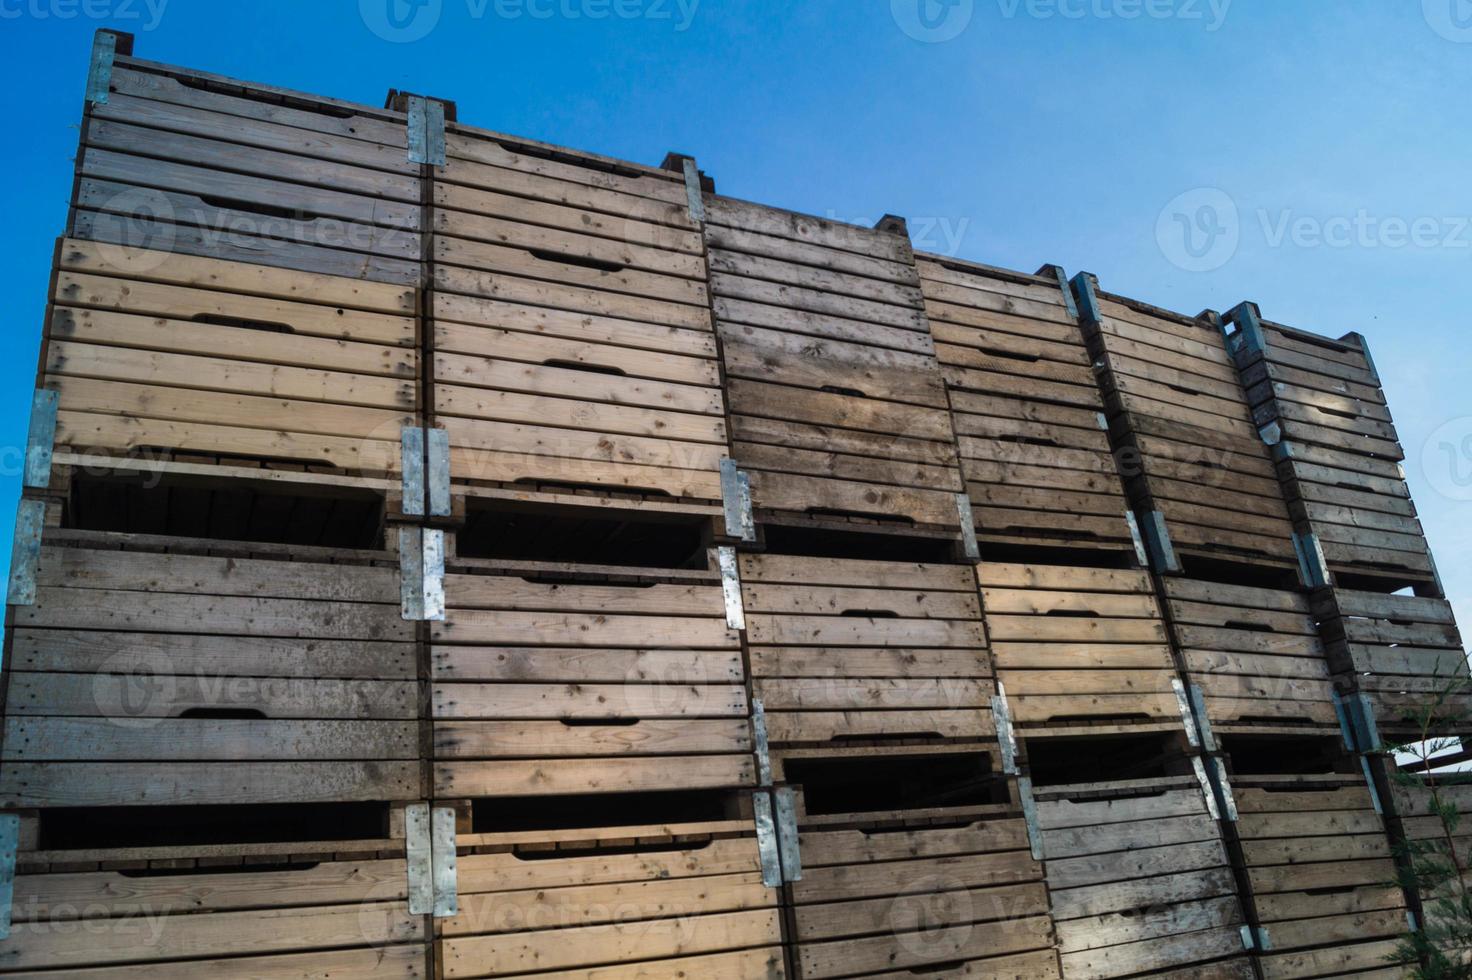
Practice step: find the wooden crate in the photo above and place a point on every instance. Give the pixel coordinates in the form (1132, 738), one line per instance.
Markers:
(1256, 655)
(209, 673)
(1079, 648)
(959, 899)
(1398, 651)
(181, 161)
(1321, 871)
(838, 406)
(555, 679)
(1190, 449)
(844, 650)
(169, 356)
(307, 910)
(667, 900)
(572, 328)
(1139, 881)
(1338, 453)
(1028, 412)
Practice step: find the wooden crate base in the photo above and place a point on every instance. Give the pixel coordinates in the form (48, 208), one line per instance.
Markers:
(307, 910)
(210, 674)
(1079, 648)
(674, 899)
(1139, 880)
(966, 898)
(1321, 869)
(554, 679)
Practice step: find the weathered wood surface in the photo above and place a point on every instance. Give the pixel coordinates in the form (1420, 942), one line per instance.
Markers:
(343, 918)
(140, 679)
(1175, 400)
(1255, 653)
(1322, 875)
(567, 686)
(1026, 407)
(1139, 882)
(573, 341)
(246, 176)
(156, 354)
(843, 649)
(1077, 646)
(694, 908)
(838, 405)
(881, 904)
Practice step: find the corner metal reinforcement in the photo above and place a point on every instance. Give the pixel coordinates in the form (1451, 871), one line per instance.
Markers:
(422, 574)
(736, 499)
(40, 439)
(968, 527)
(430, 849)
(25, 554)
(426, 131)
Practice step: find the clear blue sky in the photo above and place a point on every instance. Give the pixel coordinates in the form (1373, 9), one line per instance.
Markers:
(1042, 131)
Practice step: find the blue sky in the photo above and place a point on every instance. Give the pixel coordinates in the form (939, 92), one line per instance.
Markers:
(1331, 138)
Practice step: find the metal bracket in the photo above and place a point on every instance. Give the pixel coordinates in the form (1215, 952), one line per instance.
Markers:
(1089, 312)
(787, 840)
(761, 743)
(736, 497)
(1224, 787)
(437, 473)
(411, 469)
(1366, 731)
(1030, 814)
(1248, 321)
(422, 574)
(692, 190)
(1184, 705)
(1270, 434)
(968, 527)
(1056, 271)
(25, 555)
(1157, 541)
(731, 588)
(1282, 451)
(766, 840)
(1411, 921)
(1248, 942)
(430, 848)
(9, 844)
(1006, 737)
(1264, 939)
(426, 131)
(99, 69)
(40, 439)
(1203, 721)
(443, 866)
(1139, 542)
(1346, 732)
(1206, 788)
(1311, 563)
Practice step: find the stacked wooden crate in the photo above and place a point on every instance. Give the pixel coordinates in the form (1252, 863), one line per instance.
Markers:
(1320, 404)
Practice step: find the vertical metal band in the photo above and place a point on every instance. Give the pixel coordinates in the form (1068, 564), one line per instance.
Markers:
(426, 131)
(419, 852)
(731, 587)
(1206, 789)
(968, 527)
(1183, 705)
(1006, 736)
(1203, 720)
(787, 839)
(437, 472)
(411, 468)
(1224, 787)
(443, 864)
(692, 190)
(736, 498)
(1136, 539)
(25, 555)
(1249, 323)
(1157, 540)
(761, 743)
(1346, 731)
(99, 70)
(1089, 312)
(766, 840)
(422, 574)
(40, 439)
(9, 844)
(1030, 815)
(1312, 566)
